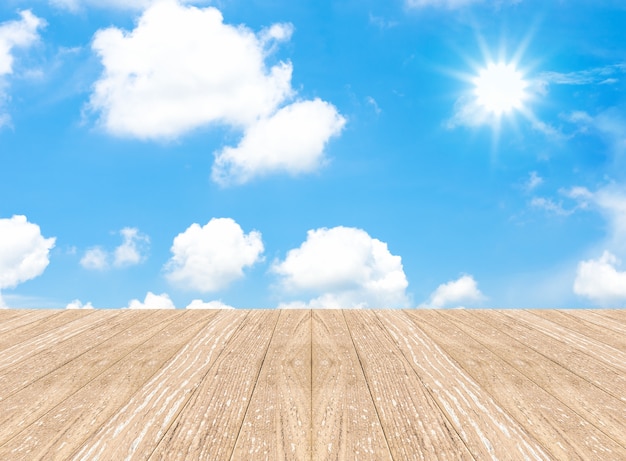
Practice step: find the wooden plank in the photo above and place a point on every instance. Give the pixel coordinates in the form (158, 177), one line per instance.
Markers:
(615, 314)
(65, 428)
(137, 427)
(45, 393)
(561, 432)
(36, 366)
(7, 314)
(603, 321)
(413, 424)
(277, 424)
(27, 327)
(586, 327)
(602, 376)
(44, 338)
(210, 424)
(23, 317)
(581, 343)
(345, 423)
(485, 428)
(599, 408)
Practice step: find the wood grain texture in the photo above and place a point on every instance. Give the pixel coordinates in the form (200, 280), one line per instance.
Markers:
(414, 426)
(73, 420)
(312, 385)
(485, 428)
(563, 433)
(600, 409)
(136, 429)
(212, 420)
(345, 424)
(279, 412)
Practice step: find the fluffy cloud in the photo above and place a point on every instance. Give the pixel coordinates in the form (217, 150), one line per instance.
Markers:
(210, 257)
(455, 293)
(199, 304)
(24, 252)
(133, 248)
(343, 267)
(77, 304)
(183, 68)
(95, 259)
(292, 140)
(153, 301)
(14, 34)
(601, 281)
(132, 251)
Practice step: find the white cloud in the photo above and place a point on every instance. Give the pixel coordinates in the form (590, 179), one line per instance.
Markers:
(21, 33)
(183, 68)
(95, 259)
(551, 206)
(343, 267)
(455, 293)
(132, 251)
(534, 181)
(199, 304)
(210, 257)
(24, 252)
(598, 75)
(292, 140)
(601, 281)
(77, 304)
(153, 301)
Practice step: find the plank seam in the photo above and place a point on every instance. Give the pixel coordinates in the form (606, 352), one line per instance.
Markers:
(545, 390)
(193, 393)
(256, 381)
(369, 390)
(87, 383)
(424, 386)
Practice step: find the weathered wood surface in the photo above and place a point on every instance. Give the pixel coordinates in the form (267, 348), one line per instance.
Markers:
(313, 385)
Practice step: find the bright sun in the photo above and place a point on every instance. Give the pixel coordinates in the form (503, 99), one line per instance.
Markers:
(500, 88)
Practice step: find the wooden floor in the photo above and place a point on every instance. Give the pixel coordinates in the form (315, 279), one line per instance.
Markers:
(312, 385)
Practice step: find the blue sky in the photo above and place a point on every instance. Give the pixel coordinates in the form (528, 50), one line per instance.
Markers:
(412, 153)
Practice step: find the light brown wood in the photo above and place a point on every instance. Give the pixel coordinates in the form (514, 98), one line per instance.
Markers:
(43, 338)
(600, 409)
(603, 321)
(414, 426)
(137, 427)
(210, 424)
(36, 366)
(13, 318)
(598, 330)
(58, 432)
(47, 391)
(279, 412)
(345, 422)
(561, 432)
(487, 430)
(596, 349)
(313, 385)
(615, 314)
